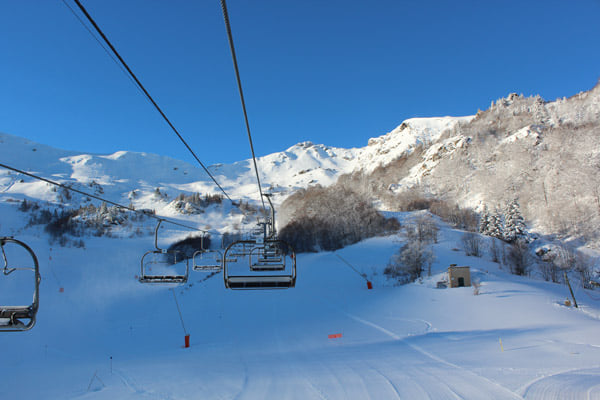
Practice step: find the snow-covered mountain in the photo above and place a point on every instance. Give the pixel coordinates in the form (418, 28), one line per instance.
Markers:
(546, 154)
(132, 178)
(540, 152)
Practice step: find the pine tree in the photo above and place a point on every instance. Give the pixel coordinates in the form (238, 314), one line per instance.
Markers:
(514, 225)
(484, 221)
(495, 228)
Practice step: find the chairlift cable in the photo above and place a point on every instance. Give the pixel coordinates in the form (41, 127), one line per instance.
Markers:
(87, 28)
(107, 201)
(351, 266)
(116, 53)
(239, 84)
(179, 311)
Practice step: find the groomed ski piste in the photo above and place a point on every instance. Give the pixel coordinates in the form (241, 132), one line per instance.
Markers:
(101, 334)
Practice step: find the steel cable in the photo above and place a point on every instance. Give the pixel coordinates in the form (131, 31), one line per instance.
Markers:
(239, 84)
(91, 20)
(105, 200)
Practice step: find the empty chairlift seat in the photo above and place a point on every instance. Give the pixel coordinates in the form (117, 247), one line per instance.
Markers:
(208, 260)
(19, 259)
(268, 257)
(270, 265)
(163, 266)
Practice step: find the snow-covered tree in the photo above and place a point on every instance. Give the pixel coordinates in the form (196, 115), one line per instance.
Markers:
(103, 209)
(514, 224)
(484, 221)
(410, 261)
(495, 228)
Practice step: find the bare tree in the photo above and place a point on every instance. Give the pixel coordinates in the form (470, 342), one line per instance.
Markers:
(569, 259)
(472, 244)
(519, 258)
(409, 263)
(422, 228)
(495, 250)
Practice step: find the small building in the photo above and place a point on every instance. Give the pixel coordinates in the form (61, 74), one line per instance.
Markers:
(459, 276)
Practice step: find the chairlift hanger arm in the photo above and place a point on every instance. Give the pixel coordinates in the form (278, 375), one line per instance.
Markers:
(156, 236)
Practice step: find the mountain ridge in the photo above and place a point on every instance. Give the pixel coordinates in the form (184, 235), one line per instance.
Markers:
(447, 157)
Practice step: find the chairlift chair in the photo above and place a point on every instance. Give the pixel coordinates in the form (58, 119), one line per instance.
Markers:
(269, 277)
(241, 248)
(207, 260)
(11, 316)
(268, 257)
(163, 260)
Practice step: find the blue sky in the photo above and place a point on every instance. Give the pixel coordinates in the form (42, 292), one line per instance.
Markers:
(333, 72)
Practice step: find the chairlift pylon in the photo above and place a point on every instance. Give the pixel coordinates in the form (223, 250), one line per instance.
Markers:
(11, 316)
(164, 260)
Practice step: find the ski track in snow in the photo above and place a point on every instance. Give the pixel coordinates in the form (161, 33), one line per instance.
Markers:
(130, 383)
(567, 384)
(13, 180)
(387, 380)
(432, 356)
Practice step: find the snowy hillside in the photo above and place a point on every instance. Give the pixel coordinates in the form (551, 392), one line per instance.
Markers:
(103, 335)
(284, 172)
(132, 178)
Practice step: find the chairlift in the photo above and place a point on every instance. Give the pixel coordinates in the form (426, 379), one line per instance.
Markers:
(11, 316)
(241, 248)
(207, 260)
(268, 257)
(271, 275)
(159, 266)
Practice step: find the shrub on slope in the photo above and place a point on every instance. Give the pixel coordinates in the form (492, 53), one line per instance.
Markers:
(331, 218)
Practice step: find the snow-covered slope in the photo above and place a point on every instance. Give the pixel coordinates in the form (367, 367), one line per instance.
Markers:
(106, 336)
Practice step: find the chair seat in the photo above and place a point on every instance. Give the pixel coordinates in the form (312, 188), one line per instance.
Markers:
(16, 312)
(267, 267)
(260, 282)
(164, 279)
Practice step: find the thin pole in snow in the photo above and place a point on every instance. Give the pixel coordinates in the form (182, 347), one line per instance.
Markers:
(570, 290)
